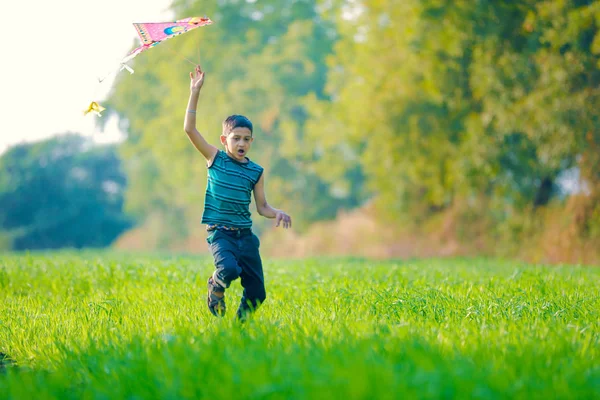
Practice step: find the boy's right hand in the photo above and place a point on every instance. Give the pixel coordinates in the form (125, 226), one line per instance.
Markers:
(196, 79)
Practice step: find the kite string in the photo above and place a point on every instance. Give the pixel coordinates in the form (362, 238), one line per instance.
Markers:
(116, 70)
(179, 55)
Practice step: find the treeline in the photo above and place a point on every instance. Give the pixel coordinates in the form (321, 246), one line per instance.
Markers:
(61, 192)
(484, 114)
(488, 109)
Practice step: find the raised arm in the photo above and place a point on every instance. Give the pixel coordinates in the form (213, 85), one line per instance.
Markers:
(265, 208)
(189, 124)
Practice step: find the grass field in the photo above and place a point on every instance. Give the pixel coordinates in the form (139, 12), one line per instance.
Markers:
(111, 326)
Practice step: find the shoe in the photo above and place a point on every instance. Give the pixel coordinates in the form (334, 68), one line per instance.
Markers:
(216, 304)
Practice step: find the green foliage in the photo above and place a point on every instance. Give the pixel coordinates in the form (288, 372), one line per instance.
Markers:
(62, 192)
(424, 105)
(446, 101)
(120, 326)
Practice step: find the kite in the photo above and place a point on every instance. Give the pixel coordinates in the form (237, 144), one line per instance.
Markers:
(151, 34)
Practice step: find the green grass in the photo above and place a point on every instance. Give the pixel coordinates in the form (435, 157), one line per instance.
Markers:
(110, 326)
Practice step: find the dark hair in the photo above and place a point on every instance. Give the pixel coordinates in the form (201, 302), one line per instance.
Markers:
(236, 121)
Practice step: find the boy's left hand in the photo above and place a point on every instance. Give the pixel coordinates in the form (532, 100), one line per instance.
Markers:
(196, 79)
(280, 216)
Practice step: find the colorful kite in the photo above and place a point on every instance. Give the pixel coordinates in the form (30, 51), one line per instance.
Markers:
(151, 34)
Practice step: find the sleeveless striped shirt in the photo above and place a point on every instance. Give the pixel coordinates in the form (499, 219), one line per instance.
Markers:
(228, 191)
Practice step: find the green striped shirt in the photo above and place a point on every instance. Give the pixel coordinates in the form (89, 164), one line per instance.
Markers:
(228, 191)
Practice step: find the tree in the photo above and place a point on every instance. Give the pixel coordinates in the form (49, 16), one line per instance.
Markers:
(444, 102)
(61, 192)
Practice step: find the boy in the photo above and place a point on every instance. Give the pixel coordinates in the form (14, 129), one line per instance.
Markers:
(231, 179)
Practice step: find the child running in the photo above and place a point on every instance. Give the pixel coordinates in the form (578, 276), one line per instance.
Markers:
(232, 177)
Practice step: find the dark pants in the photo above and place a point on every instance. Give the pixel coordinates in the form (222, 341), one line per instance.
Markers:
(236, 255)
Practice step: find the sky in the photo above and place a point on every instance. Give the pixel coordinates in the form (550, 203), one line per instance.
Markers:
(53, 53)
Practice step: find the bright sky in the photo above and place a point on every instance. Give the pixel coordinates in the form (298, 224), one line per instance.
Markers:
(52, 54)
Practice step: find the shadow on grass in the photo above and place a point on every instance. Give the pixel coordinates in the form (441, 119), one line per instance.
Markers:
(6, 362)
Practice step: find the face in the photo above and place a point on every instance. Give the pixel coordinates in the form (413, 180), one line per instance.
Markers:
(237, 143)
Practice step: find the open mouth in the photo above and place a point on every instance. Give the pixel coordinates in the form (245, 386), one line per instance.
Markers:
(241, 152)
